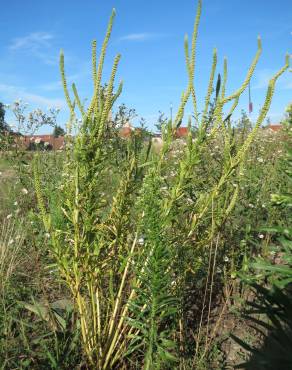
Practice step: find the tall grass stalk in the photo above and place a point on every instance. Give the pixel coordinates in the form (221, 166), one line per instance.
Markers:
(10, 244)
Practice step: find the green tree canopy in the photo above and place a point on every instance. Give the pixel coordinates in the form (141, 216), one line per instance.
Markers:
(288, 115)
(3, 124)
(58, 131)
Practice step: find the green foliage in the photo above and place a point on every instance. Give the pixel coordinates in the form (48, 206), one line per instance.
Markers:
(142, 240)
(288, 119)
(161, 122)
(3, 124)
(272, 287)
(244, 123)
(58, 131)
(132, 297)
(154, 307)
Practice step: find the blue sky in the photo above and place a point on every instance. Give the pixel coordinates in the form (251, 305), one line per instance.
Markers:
(149, 35)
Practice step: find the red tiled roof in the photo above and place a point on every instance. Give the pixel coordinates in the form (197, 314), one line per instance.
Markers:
(275, 127)
(125, 131)
(182, 132)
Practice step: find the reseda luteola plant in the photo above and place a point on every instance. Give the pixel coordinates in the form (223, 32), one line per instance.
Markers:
(126, 268)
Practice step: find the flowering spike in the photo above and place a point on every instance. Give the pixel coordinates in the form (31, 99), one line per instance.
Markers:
(94, 61)
(210, 85)
(248, 76)
(224, 78)
(77, 99)
(264, 110)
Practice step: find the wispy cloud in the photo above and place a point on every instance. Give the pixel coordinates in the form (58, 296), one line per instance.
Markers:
(11, 93)
(263, 77)
(34, 40)
(140, 36)
(37, 44)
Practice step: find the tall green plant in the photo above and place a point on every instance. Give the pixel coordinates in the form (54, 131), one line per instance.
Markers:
(128, 295)
(154, 307)
(270, 313)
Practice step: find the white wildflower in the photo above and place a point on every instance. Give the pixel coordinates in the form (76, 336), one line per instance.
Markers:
(259, 159)
(15, 203)
(226, 259)
(251, 205)
(24, 191)
(141, 241)
(261, 236)
(9, 216)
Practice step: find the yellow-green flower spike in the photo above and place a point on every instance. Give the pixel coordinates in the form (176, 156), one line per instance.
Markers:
(118, 93)
(194, 38)
(224, 79)
(187, 56)
(103, 49)
(193, 55)
(234, 105)
(94, 61)
(109, 91)
(210, 84)
(64, 82)
(248, 76)
(77, 99)
(264, 110)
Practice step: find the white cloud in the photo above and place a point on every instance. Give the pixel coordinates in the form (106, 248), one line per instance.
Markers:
(40, 100)
(33, 41)
(37, 44)
(263, 76)
(11, 93)
(139, 36)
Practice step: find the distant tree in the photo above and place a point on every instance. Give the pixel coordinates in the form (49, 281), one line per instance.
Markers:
(3, 124)
(268, 121)
(244, 122)
(288, 116)
(162, 120)
(123, 115)
(58, 131)
(27, 123)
